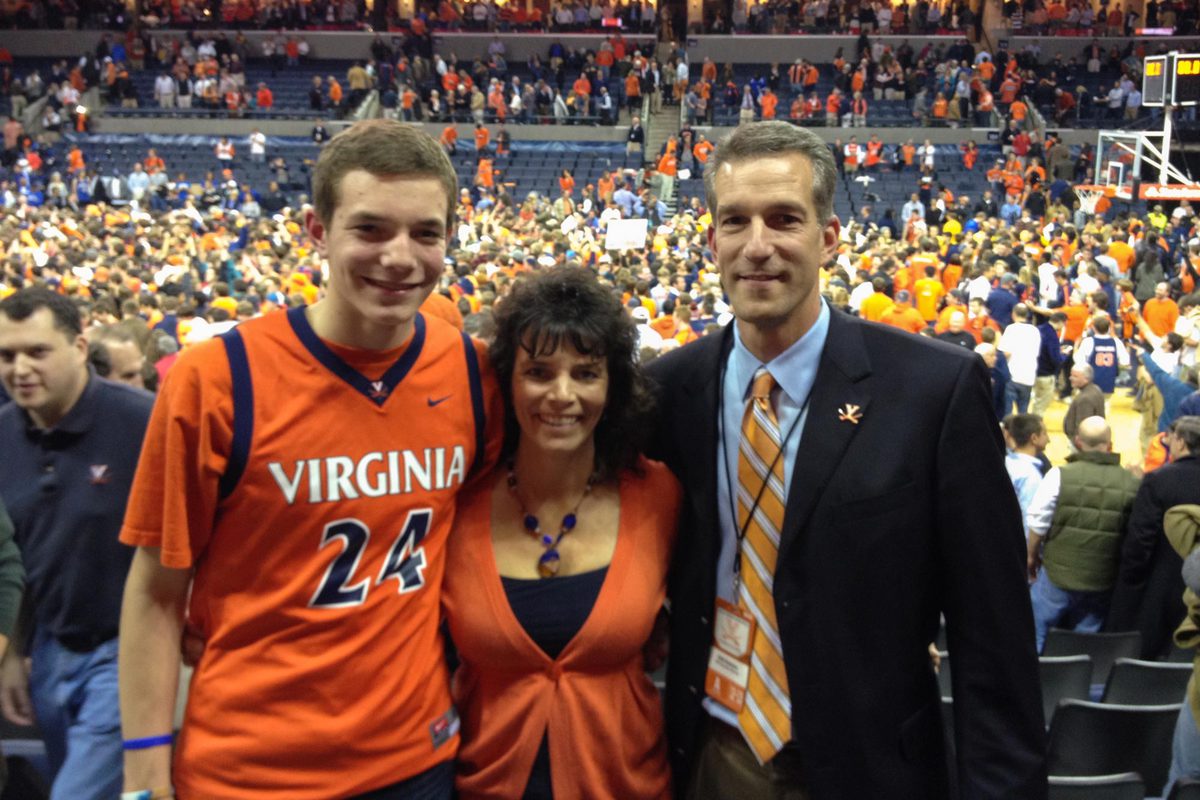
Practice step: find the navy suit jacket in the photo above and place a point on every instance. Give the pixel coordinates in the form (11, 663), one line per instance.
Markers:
(890, 521)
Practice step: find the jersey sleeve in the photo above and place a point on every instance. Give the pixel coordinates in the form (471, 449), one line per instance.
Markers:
(176, 489)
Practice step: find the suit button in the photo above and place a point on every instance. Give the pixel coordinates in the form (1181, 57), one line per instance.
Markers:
(787, 603)
(693, 690)
(704, 621)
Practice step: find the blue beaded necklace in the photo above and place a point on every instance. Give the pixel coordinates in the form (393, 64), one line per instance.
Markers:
(548, 562)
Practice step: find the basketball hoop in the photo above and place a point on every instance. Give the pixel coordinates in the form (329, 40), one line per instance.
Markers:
(1090, 195)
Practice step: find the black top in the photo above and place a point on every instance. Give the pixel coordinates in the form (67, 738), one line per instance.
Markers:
(66, 489)
(551, 611)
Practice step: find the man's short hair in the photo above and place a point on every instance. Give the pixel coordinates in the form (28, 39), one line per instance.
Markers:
(777, 138)
(1084, 370)
(23, 304)
(1023, 427)
(381, 147)
(1058, 317)
(1102, 324)
(1188, 429)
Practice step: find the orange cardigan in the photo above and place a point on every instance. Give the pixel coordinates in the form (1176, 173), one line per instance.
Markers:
(595, 702)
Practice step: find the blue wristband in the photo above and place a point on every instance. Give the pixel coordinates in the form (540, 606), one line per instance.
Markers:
(147, 742)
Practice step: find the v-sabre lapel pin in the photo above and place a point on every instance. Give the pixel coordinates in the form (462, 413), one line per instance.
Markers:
(850, 413)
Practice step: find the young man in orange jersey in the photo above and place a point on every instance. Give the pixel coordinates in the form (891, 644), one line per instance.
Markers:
(298, 485)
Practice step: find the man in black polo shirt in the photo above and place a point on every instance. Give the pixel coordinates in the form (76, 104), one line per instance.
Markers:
(70, 444)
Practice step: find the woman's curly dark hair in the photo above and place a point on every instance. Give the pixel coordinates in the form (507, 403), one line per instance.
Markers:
(568, 304)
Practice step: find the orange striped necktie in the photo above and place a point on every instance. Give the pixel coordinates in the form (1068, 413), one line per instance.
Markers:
(766, 718)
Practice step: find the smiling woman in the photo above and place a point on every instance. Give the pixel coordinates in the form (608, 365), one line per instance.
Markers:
(557, 569)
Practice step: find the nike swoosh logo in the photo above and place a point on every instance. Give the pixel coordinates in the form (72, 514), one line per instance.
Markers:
(432, 402)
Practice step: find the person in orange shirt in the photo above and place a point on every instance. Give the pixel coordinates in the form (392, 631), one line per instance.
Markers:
(908, 154)
(929, 292)
(978, 319)
(903, 316)
(1161, 312)
(337, 570)
(874, 305)
(811, 76)
(1035, 174)
(1127, 308)
(566, 182)
(1078, 316)
(153, 162)
(334, 90)
(449, 138)
(605, 185)
(970, 154)
(940, 107)
(408, 100)
(485, 175)
(482, 138)
(954, 303)
(1018, 111)
(1122, 253)
(874, 153)
(833, 108)
(952, 274)
(633, 91)
(701, 151)
(1008, 90)
(768, 101)
(668, 168)
(628, 507)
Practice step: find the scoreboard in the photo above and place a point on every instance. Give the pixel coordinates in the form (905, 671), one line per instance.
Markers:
(1186, 88)
(1154, 80)
(1172, 80)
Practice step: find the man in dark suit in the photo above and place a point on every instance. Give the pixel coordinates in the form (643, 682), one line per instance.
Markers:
(1147, 596)
(895, 506)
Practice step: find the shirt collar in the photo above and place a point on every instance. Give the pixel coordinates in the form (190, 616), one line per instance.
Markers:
(1024, 457)
(794, 370)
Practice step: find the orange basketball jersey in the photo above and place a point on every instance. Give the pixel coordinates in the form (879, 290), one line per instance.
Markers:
(319, 495)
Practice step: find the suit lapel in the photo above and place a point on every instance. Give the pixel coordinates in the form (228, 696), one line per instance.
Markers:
(827, 433)
(699, 433)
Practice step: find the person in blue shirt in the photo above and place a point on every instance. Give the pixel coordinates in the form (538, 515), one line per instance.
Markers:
(1001, 300)
(1010, 211)
(1027, 438)
(71, 442)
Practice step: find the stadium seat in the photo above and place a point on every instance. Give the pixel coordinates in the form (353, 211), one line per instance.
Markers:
(1091, 739)
(1185, 789)
(1126, 786)
(1146, 683)
(1063, 678)
(1104, 648)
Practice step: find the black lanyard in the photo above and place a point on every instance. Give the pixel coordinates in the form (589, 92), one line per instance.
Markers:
(740, 529)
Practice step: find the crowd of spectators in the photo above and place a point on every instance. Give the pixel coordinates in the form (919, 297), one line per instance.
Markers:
(1087, 18)
(218, 238)
(636, 16)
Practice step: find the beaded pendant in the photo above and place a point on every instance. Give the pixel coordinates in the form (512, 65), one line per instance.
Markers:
(548, 563)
